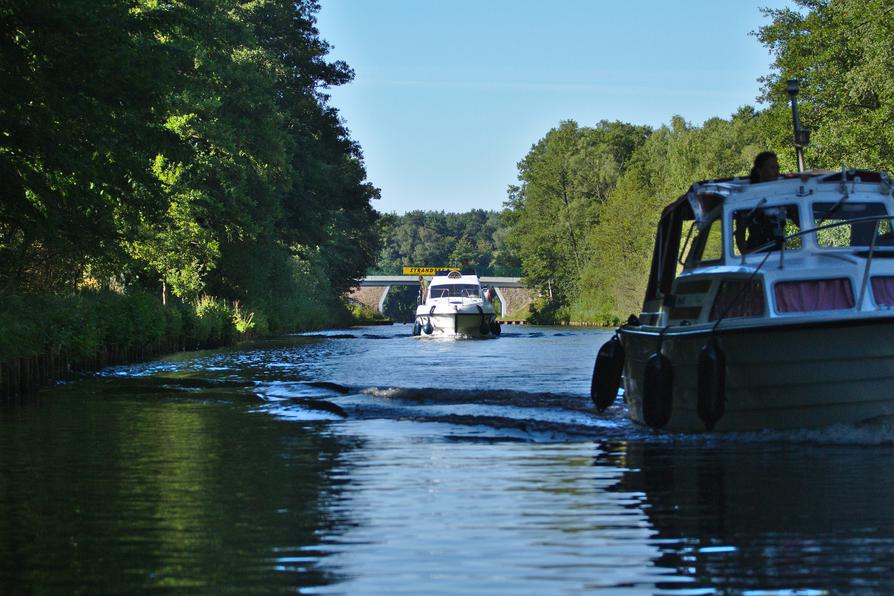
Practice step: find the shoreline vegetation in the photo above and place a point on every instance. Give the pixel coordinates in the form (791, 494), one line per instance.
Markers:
(50, 338)
(171, 176)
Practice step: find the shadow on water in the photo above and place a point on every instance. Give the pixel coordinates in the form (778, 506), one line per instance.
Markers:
(110, 492)
(739, 517)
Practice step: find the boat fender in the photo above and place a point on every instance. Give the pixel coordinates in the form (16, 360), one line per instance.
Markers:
(417, 328)
(483, 328)
(495, 328)
(658, 390)
(711, 383)
(607, 373)
(428, 328)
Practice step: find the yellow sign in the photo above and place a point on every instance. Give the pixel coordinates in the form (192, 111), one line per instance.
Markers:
(427, 270)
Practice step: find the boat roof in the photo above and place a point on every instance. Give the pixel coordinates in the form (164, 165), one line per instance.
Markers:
(453, 277)
(705, 196)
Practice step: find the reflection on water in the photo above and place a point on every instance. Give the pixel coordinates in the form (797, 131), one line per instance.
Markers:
(369, 461)
(767, 516)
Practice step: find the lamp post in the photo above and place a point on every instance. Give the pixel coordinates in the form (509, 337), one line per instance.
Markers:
(802, 135)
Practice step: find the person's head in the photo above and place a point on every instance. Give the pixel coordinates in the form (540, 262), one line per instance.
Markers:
(421, 279)
(766, 167)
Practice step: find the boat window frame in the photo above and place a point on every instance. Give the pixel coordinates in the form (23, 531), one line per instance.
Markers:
(465, 288)
(882, 240)
(713, 223)
(789, 207)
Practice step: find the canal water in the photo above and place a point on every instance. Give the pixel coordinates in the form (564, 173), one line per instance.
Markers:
(368, 461)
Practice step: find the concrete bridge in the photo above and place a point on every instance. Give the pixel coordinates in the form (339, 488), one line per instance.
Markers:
(373, 289)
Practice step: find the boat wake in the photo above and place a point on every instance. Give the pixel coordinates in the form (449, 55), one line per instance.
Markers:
(495, 413)
(541, 416)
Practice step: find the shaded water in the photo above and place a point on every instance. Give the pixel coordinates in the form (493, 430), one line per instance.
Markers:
(369, 461)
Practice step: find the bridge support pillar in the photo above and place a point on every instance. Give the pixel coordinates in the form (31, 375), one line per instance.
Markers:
(371, 296)
(381, 307)
(504, 303)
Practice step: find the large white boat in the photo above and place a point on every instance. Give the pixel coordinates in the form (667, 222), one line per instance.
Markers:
(769, 305)
(455, 305)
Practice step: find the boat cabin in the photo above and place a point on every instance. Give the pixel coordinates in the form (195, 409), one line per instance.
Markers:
(804, 243)
(456, 285)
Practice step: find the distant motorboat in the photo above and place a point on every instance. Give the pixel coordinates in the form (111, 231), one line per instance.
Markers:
(456, 305)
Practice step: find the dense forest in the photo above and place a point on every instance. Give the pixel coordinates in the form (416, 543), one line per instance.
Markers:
(184, 150)
(582, 218)
(436, 238)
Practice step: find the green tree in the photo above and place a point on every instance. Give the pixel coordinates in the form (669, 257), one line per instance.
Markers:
(564, 179)
(663, 168)
(840, 50)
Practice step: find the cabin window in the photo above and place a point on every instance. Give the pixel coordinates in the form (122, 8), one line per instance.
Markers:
(814, 294)
(707, 246)
(847, 229)
(455, 291)
(883, 290)
(760, 226)
(738, 298)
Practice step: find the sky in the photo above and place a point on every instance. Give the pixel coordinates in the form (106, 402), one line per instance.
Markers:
(449, 95)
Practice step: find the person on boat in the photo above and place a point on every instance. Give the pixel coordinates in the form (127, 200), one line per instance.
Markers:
(422, 288)
(759, 227)
(766, 167)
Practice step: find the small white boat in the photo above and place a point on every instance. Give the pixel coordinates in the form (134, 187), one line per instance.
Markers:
(455, 305)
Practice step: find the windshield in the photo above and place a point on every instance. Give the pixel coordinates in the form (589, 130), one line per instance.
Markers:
(455, 291)
(850, 234)
(759, 227)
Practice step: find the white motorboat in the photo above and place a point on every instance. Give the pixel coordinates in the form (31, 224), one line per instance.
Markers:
(770, 305)
(455, 305)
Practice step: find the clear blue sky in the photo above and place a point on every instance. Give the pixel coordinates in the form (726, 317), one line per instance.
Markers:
(450, 94)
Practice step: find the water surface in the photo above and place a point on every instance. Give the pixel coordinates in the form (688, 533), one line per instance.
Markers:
(368, 461)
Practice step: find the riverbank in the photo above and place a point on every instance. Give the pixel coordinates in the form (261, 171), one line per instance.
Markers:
(51, 337)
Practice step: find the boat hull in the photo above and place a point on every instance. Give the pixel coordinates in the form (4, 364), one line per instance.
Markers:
(457, 324)
(785, 376)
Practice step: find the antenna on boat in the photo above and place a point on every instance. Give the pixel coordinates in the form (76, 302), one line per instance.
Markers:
(802, 135)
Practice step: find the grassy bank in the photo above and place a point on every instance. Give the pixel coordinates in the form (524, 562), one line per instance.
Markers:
(50, 337)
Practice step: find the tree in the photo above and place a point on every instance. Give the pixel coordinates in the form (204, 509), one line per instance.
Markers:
(564, 179)
(841, 52)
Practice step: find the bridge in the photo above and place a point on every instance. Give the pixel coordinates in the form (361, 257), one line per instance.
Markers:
(372, 290)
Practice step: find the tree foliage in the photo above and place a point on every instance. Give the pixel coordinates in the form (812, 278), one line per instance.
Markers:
(436, 238)
(841, 51)
(188, 146)
(583, 217)
(564, 179)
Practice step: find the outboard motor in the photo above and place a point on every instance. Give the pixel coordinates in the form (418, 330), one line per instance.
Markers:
(658, 390)
(711, 383)
(607, 373)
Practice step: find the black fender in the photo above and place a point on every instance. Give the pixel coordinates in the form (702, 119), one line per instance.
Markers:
(658, 390)
(711, 383)
(607, 371)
